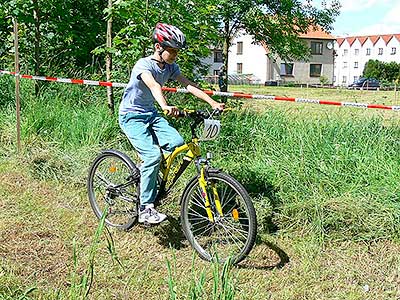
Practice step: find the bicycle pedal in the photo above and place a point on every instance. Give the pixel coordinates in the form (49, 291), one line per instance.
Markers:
(146, 224)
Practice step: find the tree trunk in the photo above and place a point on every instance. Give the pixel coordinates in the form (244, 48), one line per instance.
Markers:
(110, 94)
(146, 19)
(36, 17)
(225, 50)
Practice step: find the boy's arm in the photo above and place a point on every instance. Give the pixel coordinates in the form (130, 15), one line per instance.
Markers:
(156, 91)
(191, 87)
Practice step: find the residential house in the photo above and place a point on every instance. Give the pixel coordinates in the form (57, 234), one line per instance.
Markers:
(353, 52)
(214, 61)
(245, 57)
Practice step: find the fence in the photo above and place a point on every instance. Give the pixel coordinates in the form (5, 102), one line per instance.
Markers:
(235, 79)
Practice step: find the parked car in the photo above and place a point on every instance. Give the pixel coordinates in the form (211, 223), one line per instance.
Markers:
(365, 84)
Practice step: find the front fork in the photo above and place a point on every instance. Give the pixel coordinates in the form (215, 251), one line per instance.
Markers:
(202, 166)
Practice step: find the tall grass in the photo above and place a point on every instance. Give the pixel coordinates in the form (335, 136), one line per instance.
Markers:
(334, 175)
(81, 285)
(223, 283)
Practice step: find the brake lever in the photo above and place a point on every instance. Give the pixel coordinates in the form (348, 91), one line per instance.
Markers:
(215, 112)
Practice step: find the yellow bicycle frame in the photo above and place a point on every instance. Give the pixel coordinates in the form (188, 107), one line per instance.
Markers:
(193, 151)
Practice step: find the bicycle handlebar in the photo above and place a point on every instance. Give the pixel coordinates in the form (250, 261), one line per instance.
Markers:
(196, 114)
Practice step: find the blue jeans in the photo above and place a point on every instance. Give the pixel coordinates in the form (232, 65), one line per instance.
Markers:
(147, 132)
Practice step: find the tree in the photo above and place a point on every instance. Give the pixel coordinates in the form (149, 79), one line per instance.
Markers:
(385, 72)
(373, 69)
(391, 71)
(55, 35)
(276, 23)
(137, 19)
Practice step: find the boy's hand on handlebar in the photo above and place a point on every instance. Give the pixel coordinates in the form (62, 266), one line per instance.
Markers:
(219, 106)
(171, 111)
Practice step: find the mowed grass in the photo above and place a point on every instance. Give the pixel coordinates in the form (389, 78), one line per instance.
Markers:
(40, 221)
(324, 181)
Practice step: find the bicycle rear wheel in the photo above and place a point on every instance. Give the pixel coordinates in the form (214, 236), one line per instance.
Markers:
(113, 181)
(231, 235)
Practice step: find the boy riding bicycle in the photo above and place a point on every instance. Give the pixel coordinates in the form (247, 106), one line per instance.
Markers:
(138, 117)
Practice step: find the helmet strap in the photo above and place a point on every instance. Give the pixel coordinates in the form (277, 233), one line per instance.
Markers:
(160, 52)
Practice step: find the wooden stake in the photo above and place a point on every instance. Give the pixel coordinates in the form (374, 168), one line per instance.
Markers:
(17, 96)
(110, 95)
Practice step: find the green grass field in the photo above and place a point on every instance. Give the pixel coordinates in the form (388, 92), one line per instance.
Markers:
(324, 181)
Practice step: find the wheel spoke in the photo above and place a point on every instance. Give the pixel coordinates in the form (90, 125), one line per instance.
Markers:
(243, 233)
(198, 217)
(196, 213)
(233, 238)
(210, 227)
(103, 179)
(198, 204)
(201, 219)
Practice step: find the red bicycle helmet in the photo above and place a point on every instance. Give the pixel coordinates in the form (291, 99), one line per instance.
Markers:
(169, 36)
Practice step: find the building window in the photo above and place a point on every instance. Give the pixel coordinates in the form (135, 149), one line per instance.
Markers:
(368, 51)
(393, 51)
(380, 51)
(356, 65)
(334, 78)
(287, 69)
(344, 79)
(218, 56)
(345, 52)
(316, 48)
(239, 68)
(345, 65)
(315, 70)
(356, 51)
(239, 48)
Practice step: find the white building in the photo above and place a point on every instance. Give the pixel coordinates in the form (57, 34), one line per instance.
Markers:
(245, 57)
(352, 53)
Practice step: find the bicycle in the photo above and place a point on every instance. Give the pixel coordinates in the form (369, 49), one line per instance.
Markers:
(217, 215)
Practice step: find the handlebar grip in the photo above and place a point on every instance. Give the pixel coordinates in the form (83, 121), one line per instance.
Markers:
(181, 113)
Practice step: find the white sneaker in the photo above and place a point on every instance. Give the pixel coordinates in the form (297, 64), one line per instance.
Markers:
(151, 216)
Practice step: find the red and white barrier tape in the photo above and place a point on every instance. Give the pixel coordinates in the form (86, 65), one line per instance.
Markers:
(299, 100)
(66, 80)
(212, 93)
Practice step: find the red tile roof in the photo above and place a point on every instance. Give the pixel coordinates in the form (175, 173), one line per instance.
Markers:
(362, 39)
(311, 34)
(373, 38)
(351, 40)
(317, 33)
(340, 41)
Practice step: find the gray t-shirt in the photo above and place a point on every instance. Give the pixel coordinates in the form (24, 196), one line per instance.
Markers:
(137, 96)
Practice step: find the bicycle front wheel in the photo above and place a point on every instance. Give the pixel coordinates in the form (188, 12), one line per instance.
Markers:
(231, 235)
(111, 183)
